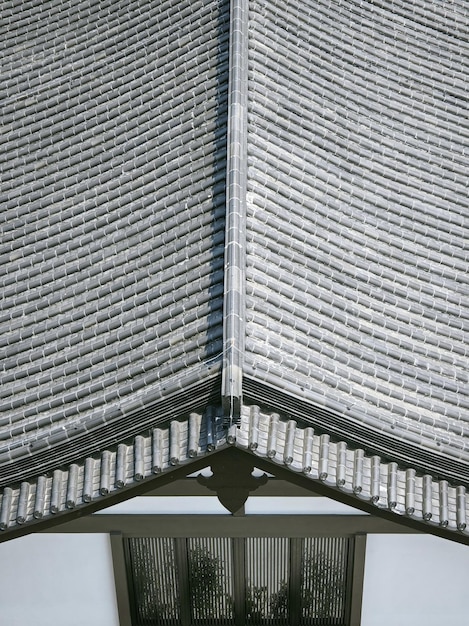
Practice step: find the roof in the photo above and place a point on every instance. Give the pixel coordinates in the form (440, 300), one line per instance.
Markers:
(234, 227)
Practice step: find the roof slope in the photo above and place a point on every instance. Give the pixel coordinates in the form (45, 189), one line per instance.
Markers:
(113, 213)
(357, 208)
(264, 205)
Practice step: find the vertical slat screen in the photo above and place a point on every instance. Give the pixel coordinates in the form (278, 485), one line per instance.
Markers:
(154, 584)
(286, 582)
(267, 580)
(210, 570)
(324, 581)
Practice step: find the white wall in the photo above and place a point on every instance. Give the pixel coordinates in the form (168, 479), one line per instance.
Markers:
(413, 580)
(57, 579)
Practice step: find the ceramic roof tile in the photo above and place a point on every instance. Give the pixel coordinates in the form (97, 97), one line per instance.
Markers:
(113, 218)
(357, 197)
(265, 209)
(374, 483)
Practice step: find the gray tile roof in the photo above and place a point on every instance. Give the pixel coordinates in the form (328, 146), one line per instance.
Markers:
(357, 206)
(274, 216)
(371, 482)
(113, 213)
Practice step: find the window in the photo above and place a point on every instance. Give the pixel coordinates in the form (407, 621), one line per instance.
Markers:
(253, 581)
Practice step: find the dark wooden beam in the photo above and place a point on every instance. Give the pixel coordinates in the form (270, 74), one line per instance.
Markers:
(239, 581)
(183, 581)
(120, 579)
(358, 574)
(191, 487)
(233, 526)
(294, 575)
